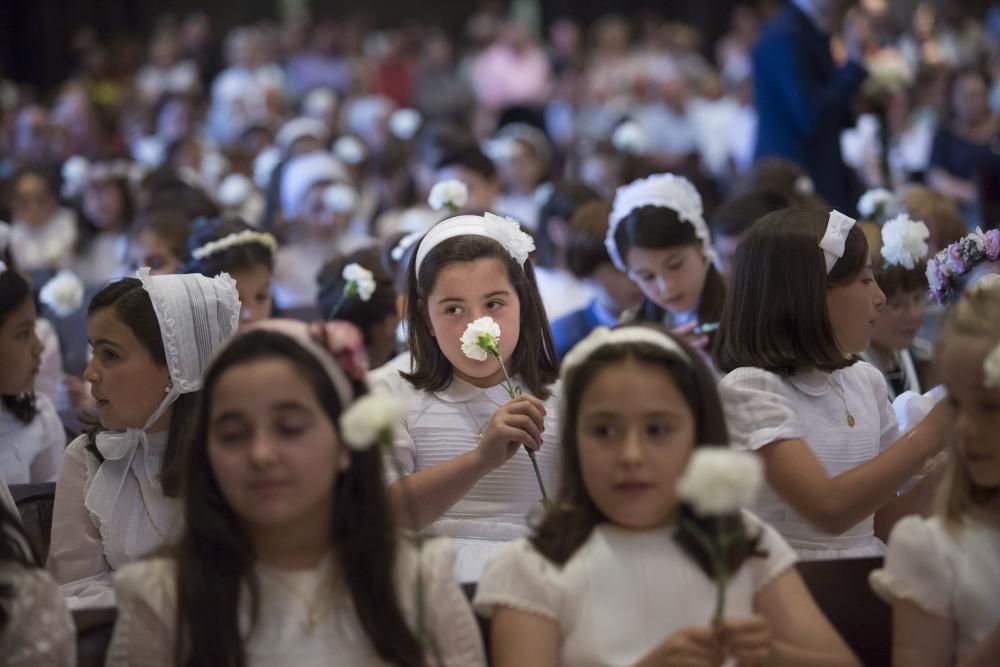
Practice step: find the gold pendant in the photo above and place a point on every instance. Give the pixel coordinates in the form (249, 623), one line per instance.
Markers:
(850, 420)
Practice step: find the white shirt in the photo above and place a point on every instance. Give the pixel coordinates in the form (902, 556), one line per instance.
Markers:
(952, 572)
(31, 452)
(762, 407)
(437, 427)
(623, 592)
(50, 246)
(146, 629)
(562, 293)
(106, 515)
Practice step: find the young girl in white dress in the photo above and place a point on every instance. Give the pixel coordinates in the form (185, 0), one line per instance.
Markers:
(32, 439)
(604, 579)
(116, 497)
(460, 441)
(942, 574)
(289, 555)
(657, 235)
(802, 302)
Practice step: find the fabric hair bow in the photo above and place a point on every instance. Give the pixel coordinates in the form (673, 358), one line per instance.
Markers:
(837, 228)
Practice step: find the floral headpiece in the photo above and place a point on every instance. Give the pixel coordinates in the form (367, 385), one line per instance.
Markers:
(233, 240)
(904, 241)
(505, 231)
(958, 259)
(663, 190)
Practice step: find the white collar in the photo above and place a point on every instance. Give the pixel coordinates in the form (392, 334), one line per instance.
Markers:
(813, 383)
(460, 391)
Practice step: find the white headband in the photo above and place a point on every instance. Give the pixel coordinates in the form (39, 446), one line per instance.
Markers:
(245, 237)
(665, 191)
(504, 231)
(603, 337)
(838, 226)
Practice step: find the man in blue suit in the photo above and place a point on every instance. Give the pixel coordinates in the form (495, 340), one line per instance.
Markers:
(803, 99)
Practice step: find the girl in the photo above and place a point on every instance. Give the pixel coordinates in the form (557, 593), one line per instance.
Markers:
(159, 241)
(803, 302)
(289, 554)
(636, 403)
(116, 494)
(941, 574)
(31, 436)
(459, 441)
(229, 245)
(657, 235)
(35, 626)
(108, 209)
(44, 235)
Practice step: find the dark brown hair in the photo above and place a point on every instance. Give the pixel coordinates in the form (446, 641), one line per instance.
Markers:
(658, 227)
(215, 556)
(776, 316)
(173, 227)
(236, 258)
(568, 525)
(585, 249)
(14, 290)
(561, 205)
(365, 314)
(131, 305)
(534, 358)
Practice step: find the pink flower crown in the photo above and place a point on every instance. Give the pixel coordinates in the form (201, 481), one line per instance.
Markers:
(958, 259)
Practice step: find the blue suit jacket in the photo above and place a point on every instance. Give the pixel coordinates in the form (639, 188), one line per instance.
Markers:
(570, 329)
(803, 102)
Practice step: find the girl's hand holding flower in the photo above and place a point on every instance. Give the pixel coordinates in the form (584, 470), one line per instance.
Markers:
(520, 421)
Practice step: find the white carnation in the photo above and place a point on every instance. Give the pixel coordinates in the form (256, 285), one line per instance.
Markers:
(63, 294)
(888, 72)
(370, 419)
(362, 278)
(452, 194)
(508, 233)
(629, 137)
(234, 190)
(350, 150)
(904, 241)
(484, 327)
(404, 123)
(719, 480)
(340, 198)
(991, 369)
(875, 203)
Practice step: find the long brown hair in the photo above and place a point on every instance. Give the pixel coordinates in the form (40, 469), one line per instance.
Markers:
(567, 526)
(214, 555)
(534, 358)
(132, 306)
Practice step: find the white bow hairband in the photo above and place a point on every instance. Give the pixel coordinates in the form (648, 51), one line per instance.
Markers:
(838, 226)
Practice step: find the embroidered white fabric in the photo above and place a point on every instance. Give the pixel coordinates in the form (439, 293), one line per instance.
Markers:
(39, 628)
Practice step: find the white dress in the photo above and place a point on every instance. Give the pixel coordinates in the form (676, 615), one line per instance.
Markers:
(950, 572)
(32, 452)
(437, 427)
(40, 631)
(144, 635)
(50, 246)
(762, 407)
(106, 515)
(623, 592)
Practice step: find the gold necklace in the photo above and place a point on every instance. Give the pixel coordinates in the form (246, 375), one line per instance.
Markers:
(316, 607)
(840, 392)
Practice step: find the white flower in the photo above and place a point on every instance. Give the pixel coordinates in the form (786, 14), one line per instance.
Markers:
(480, 337)
(349, 149)
(63, 294)
(404, 123)
(719, 480)
(629, 137)
(370, 420)
(508, 233)
(234, 190)
(888, 72)
(991, 369)
(359, 279)
(340, 198)
(74, 175)
(452, 194)
(875, 203)
(904, 241)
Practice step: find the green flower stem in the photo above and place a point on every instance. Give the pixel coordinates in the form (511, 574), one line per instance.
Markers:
(716, 549)
(350, 289)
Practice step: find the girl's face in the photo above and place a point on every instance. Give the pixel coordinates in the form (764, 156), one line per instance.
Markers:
(102, 202)
(900, 320)
(635, 433)
(672, 278)
(274, 452)
(854, 310)
(126, 381)
(969, 98)
(33, 202)
(976, 409)
(149, 249)
(20, 349)
(522, 171)
(464, 292)
(254, 286)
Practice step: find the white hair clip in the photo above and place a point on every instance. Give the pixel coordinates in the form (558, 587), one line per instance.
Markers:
(838, 226)
(233, 240)
(505, 231)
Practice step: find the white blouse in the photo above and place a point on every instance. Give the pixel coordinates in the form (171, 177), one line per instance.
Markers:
(40, 630)
(145, 633)
(106, 515)
(50, 246)
(623, 592)
(437, 427)
(762, 407)
(952, 572)
(32, 452)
